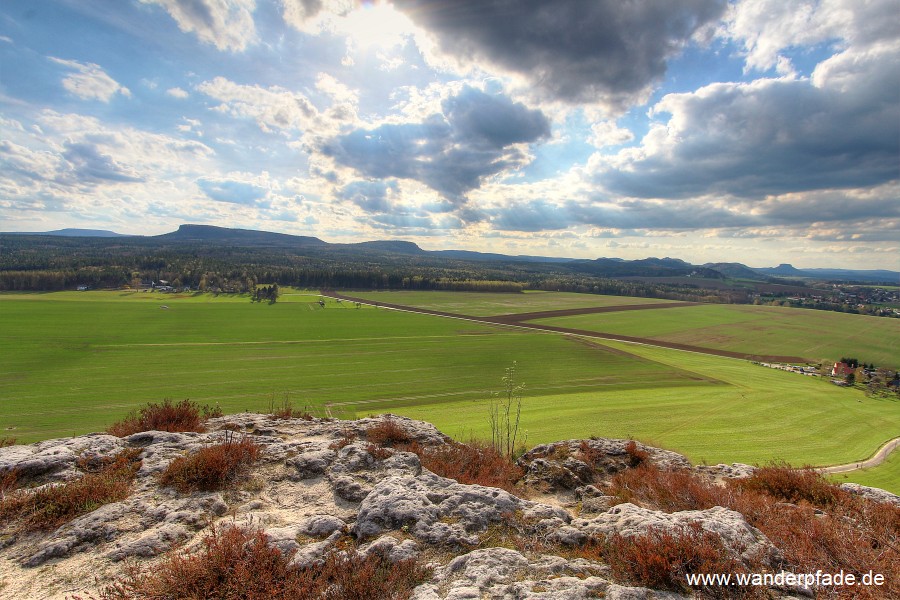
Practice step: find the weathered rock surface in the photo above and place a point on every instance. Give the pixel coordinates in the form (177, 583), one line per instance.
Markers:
(320, 482)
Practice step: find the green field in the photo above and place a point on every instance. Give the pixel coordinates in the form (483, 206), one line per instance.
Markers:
(757, 415)
(75, 362)
(812, 334)
(486, 304)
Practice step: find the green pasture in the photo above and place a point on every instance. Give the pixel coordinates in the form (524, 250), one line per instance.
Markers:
(885, 476)
(756, 415)
(75, 362)
(486, 304)
(756, 330)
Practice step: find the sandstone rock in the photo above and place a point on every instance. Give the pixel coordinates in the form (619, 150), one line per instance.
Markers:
(876, 494)
(628, 520)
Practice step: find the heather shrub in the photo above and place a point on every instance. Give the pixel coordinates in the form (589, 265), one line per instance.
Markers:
(7, 441)
(636, 456)
(183, 416)
(212, 467)
(53, 505)
(669, 491)
(661, 559)
(387, 433)
(473, 463)
(233, 563)
(780, 481)
(815, 524)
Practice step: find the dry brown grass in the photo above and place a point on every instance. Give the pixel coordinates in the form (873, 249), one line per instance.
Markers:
(285, 410)
(7, 441)
(51, 506)
(212, 467)
(183, 416)
(233, 563)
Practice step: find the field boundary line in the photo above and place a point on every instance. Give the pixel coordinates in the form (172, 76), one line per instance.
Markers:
(503, 322)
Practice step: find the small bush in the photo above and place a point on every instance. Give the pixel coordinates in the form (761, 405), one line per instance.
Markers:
(636, 456)
(213, 467)
(184, 416)
(661, 559)
(387, 433)
(348, 438)
(233, 563)
(669, 491)
(7, 441)
(794, 485)
(472, 463)
(51, 506)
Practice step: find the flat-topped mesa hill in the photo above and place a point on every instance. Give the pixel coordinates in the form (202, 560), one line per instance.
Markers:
(262, 507)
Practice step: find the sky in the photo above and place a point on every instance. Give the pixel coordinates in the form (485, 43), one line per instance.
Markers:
(753, 131)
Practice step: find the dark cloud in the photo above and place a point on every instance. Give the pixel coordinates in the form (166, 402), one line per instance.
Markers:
(604, 50)
(452, 152)
(771, 137)
(90, 165)
(371, 196)
(233, 192)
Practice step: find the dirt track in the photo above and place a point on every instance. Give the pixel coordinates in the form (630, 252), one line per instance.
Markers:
(521, 320)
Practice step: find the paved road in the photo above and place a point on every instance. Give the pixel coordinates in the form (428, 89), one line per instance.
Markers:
(876, 459)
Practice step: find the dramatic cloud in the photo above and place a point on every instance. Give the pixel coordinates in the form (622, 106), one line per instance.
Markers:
(606, 51)
(768, 137)
(90, 82)
(226, 24)
(686, 128)
(371, 196)
(476, 135)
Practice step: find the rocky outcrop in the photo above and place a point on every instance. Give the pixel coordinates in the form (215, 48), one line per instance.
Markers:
(321, 484)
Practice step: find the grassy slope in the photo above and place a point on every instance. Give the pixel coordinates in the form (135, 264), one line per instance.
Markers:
(73, 363)
(485, 304)
(757, 329)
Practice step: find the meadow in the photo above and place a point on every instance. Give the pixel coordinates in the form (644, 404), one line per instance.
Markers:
(812, 334)
(74, 362)
(485, 304)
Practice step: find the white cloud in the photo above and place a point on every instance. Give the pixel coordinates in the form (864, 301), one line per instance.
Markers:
(273, 108)
(177, 92)
(766, 28)
(226, 24)
(90, 82)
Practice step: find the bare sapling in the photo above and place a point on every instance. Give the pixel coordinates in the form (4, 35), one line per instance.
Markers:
(506, 413)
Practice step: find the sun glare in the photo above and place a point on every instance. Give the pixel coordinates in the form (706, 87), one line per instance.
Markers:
(377, 26)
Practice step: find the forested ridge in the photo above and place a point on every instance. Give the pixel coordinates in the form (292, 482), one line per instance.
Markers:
(231, 264)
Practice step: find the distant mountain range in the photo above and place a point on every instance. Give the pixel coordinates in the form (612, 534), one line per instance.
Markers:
(601, 267)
